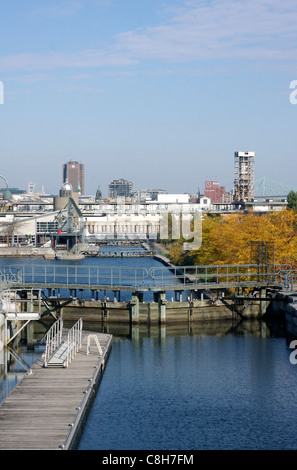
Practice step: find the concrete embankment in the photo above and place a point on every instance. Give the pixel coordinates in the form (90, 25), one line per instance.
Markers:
(159, 253)
(164, 260)
(50, 253)
(38, 252)
(26, 252)
(285, 305)
(160, 312)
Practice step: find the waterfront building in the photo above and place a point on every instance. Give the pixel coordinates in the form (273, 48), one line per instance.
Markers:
(74, 173)
(134, 221)
(16, 230)
(32, 219)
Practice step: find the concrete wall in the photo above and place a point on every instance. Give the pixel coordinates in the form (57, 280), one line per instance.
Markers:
(19, 252)
(285, 307)
(161, 311)
(291, 314)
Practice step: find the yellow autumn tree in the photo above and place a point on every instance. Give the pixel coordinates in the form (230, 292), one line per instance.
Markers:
(176, 252)
(227, 239)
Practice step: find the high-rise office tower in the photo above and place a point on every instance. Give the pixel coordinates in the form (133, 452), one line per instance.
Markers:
(244, 184)
(74, 173)
(120, 187)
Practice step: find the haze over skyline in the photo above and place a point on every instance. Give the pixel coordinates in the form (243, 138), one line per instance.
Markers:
(161, 93)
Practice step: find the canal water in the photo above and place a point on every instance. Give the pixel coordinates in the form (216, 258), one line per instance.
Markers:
(217, 387)
(220, 385)
(14, 364)
(119, 271)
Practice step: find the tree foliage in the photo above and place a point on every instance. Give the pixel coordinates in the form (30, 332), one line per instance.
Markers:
(227, 239)
(292, 200)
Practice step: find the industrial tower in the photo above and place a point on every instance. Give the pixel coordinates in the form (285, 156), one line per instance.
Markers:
(244, 185)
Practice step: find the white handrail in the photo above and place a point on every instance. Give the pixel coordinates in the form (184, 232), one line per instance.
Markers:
(74, 339)
(97, 343)
(70, 342)
(53, 339)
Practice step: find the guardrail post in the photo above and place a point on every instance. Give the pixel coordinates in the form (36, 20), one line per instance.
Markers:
(134, 305)
(263, 303)
(162, 307)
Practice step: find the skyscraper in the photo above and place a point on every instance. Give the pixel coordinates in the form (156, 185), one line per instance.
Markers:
(244, 176)
(120, 187)
(74, 173)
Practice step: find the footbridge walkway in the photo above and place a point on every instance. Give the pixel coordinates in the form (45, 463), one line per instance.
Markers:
(67, 286)
(97, 278)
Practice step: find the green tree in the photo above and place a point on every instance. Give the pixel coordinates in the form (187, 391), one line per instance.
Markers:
(292, 200)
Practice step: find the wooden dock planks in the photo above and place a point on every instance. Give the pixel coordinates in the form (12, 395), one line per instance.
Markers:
(45, 410)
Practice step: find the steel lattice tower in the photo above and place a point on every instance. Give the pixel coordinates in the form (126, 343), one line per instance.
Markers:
(244, 185)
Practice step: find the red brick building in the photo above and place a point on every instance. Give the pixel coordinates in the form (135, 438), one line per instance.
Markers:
(215, 192)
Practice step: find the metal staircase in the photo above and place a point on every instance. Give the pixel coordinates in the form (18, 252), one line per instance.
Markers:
(59, 349)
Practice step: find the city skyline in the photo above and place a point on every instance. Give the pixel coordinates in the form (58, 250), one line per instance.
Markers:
(159, 93)
(73, 172)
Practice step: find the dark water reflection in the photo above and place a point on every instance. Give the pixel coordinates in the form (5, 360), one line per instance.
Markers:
(215, 386)
(15, 362)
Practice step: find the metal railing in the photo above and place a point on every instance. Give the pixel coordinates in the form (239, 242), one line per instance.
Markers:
(63, 347)
(217, 274)
(123, 254)
(87, 276)
(53, 339)
(10, 275)
(73, 339)
(288, 278)
(92, 277)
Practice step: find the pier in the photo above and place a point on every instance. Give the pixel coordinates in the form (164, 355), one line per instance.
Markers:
(47, 408)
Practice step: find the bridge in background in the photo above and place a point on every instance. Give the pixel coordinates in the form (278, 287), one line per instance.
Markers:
(268, 188)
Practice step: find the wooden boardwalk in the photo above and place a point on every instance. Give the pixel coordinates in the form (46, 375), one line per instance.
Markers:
(46, 410)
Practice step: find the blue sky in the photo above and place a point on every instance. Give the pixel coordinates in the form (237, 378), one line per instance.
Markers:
(158, 92)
